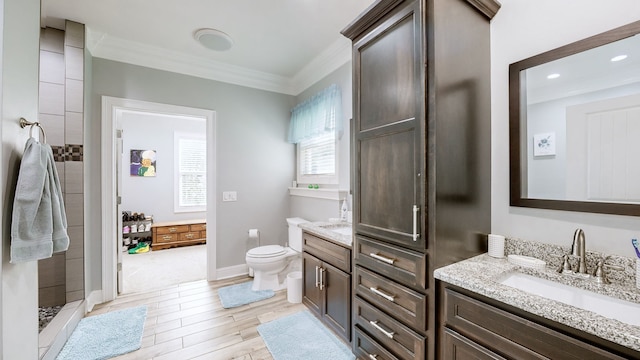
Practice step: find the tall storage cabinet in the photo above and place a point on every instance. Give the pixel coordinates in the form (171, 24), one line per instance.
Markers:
(421, 163)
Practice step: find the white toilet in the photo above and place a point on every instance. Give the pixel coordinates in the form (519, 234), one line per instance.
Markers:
(269, 262)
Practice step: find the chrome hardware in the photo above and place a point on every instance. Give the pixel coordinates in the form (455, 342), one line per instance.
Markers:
(578, 249)
(385, 259)
(415, 235)
(321, 278)
(317, 282)
(388, 334)
(382, 294)
(373, 356)
(600, 275)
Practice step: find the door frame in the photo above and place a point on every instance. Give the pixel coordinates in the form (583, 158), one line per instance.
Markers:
(110, 108)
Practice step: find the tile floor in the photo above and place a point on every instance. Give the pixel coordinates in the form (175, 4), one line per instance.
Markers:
(187, 321)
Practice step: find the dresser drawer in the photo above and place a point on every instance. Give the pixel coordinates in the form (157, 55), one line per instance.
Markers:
(367, 348)
(405, 304)
(510, 335)
(405, 266)
(401, 340)
(327, 251)
(191, 235)
(172, 229)
(166, 238)
(197, 227)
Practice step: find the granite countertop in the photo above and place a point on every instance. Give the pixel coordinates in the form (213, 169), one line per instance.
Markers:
(328, 230)
(481, 274)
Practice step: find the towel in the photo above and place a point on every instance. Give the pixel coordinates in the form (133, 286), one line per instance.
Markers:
(38, 209)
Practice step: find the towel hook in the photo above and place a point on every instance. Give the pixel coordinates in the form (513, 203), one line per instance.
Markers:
(24, 123)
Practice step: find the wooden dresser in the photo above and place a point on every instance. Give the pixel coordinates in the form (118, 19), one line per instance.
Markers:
(178, 233)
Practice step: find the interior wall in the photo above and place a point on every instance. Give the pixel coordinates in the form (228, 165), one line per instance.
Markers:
(19, 290)
(522, 29)
(314, 209)
(253, 159)
(155, 195)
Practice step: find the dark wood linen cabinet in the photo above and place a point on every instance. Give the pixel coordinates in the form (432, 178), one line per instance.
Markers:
(421, 163)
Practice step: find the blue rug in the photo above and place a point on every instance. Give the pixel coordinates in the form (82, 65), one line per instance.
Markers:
(241, 294)
(105, 336)
(302, 336)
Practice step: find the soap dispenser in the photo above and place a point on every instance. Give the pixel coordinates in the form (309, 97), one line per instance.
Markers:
(343, 210)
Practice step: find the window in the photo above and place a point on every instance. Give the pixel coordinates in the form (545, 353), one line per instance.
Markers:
(315, 126)
(190, 173)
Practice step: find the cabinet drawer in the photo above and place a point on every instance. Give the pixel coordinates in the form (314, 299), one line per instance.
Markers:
(198, 227)
(405, 266)
(405, 304)
(510, 335)
(166, 238)
(404, 342)
(457, 347)
(172, 229)
(365, 347)
(327, 251)
(191, 235)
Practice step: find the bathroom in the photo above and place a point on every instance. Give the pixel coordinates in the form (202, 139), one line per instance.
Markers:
(517, 32)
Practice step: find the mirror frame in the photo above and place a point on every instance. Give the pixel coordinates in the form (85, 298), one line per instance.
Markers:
(517, 135)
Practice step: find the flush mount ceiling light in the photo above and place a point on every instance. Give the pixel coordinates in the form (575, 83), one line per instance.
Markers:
(618, 58)
(213, 39)
(553, 76)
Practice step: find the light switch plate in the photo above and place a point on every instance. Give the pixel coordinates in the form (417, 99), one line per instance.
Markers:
(229, 196)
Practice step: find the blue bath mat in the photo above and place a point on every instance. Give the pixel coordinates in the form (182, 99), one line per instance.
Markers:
(105, 336)
(302, 336)
(241, 294)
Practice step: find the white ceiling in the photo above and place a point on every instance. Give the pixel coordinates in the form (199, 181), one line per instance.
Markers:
(279, 45)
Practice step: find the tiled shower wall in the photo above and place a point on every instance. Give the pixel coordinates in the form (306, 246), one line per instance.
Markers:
(61, 277)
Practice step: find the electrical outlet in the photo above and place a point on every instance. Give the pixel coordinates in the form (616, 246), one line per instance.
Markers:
(229, 196)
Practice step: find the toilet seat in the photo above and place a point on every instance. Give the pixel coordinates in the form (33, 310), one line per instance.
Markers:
(267, 251)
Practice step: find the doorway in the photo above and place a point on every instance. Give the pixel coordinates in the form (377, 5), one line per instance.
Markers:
(114, 112)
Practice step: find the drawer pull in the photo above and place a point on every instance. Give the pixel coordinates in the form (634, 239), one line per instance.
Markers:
(189, 236)
(415, 236)
(384, 295)
(173, 229)
(385, 259)
(167, 237)
(388, 334)
(373, 356)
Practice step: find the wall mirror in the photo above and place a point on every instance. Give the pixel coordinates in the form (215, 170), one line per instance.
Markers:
(574, 126)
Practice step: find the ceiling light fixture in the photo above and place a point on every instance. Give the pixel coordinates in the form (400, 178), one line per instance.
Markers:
(553, 76)
(618, 58)
(213, 39)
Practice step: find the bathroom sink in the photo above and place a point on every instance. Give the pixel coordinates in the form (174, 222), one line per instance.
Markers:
(342, 230)
(621, 310)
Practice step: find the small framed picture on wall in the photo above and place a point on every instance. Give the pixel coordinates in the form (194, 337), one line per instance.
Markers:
(143, 163)
(544, 144)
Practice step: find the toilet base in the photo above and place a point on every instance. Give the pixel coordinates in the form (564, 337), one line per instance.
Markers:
(263, 281)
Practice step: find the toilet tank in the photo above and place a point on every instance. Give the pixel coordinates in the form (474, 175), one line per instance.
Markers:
(295, 233)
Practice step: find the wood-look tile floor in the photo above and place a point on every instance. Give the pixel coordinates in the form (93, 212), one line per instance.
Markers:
(187, 321)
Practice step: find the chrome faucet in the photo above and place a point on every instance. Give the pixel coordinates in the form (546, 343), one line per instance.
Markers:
(578, 249)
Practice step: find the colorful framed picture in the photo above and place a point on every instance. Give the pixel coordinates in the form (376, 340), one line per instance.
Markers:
(143, 163)
(544, 144)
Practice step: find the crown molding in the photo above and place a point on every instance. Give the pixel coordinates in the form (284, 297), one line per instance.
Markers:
(104, 46)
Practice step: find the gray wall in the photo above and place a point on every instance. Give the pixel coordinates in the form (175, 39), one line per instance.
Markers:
(254, 158)
(314, 209)
(20, 21)
(149, 132)
(512, 39)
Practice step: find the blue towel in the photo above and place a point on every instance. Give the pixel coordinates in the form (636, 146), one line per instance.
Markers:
(38, 209)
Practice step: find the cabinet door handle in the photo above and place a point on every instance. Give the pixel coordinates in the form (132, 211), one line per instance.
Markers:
(385, 259)
(415, 235)
(321, 278)
(317, 282)
(373, 356)
(388, 334)
(383, 294)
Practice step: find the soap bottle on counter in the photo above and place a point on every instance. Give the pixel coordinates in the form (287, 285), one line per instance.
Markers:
(343, 210)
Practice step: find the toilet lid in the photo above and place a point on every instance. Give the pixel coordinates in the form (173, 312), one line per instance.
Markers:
(267, 251)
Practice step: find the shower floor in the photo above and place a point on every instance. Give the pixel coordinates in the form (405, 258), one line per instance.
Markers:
(46, 314)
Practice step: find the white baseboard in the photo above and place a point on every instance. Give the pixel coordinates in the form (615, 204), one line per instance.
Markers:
(232, 271)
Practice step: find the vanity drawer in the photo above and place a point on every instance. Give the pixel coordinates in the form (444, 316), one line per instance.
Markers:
(405, 266)
(365, 347)
(404, 342)
(172, 229)
(510, 335)
(327, 251)
(405, 304)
